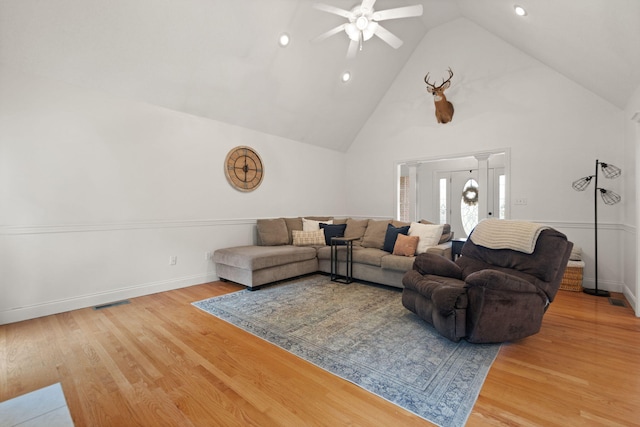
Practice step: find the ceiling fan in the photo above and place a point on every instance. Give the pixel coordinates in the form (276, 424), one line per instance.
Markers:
(363, 23)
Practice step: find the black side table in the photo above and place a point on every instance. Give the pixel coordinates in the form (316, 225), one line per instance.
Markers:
(347, 242)
(456, 248)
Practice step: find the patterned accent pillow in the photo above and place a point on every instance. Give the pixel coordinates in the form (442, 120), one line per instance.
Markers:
(308, 238)
(405, 245)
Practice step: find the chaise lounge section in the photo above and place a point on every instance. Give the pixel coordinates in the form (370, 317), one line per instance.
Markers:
(254, 265)
(290, 247)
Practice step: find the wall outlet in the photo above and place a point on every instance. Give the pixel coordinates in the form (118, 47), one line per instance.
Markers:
(173, 260)
(207, 256)
(521, 201)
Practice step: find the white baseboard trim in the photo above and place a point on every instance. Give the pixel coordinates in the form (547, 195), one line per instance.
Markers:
(632, 300)
(47, 308)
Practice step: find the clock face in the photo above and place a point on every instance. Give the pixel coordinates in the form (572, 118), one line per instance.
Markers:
(244, 169)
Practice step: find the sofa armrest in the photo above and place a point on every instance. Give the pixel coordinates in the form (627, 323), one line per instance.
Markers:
(442, 249)
(499, 281)
(429, 263)
(502, 307)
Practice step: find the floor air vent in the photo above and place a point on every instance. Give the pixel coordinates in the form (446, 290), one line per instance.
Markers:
(618, 302)
(111, 304)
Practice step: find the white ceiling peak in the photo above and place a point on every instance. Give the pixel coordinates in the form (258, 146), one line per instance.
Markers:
(221, 59)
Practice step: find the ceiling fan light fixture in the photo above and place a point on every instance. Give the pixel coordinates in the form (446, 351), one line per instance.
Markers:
(368, 32)
(520, 11)
(352, 31)
(362, 23)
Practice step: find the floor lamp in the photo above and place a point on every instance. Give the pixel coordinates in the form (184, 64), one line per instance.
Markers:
(609, 197)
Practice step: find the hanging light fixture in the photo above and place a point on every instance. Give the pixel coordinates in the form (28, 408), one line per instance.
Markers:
(609, 198)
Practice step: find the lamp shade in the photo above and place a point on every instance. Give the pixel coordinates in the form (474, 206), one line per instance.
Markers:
(610, 171)
(582, 183)
(609, 197)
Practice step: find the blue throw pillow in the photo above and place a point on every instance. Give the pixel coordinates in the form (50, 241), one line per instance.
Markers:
(392, 235)
(332, 230)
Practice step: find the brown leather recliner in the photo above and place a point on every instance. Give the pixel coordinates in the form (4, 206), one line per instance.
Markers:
(488, 295)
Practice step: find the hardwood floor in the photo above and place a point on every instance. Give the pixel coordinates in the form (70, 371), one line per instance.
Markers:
(161, 362)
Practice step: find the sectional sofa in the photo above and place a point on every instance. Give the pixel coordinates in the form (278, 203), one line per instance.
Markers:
(290, 247)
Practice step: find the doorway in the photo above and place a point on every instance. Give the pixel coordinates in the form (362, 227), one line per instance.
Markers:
(431, 189)
(458, 197)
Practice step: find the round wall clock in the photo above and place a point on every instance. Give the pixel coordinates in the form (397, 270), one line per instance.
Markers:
(243, 168)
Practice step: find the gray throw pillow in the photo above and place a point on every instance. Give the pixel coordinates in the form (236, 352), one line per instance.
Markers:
(355, 229)
(273, 232)
(375, 233)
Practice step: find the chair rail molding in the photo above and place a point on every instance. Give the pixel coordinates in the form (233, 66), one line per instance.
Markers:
(133, 225)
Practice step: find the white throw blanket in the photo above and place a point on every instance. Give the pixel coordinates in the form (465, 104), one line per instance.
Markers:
(519, 236)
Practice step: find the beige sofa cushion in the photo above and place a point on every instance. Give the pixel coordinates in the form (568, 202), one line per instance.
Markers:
(258, 257)
(374, 235)
(273, 232)
(398, 224)
(369, 256)
(355, 229)
(397, 262)
(293, 224)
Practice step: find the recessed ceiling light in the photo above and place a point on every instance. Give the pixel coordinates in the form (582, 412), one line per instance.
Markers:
(284, 39)
(520, 11)
(346, 76)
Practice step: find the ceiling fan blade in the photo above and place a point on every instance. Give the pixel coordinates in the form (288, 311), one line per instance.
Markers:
(400, 12)
(332, 9)
(390, 38)
(329, 33)
(367, 4)
(353, 49)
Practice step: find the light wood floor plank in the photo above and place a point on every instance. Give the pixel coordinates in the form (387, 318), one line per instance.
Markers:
(160, 361)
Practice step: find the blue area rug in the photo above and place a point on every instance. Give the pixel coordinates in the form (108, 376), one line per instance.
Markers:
(363, 334)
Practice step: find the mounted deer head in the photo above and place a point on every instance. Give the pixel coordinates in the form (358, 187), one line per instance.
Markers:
(444, 109)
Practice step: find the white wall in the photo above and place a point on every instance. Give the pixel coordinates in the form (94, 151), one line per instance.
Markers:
(632, 162)
(503, 99)
(98, 192)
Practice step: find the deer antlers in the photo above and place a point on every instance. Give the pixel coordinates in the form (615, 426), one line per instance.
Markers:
(444, 109)
(426, 80)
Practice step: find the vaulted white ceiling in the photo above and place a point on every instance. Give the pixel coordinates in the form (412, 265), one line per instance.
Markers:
(220, 58)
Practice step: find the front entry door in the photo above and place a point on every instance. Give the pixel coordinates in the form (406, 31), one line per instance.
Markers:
(460, 198)
(463, 214)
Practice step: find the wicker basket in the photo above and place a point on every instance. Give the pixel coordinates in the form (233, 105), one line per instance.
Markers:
(572, 279)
